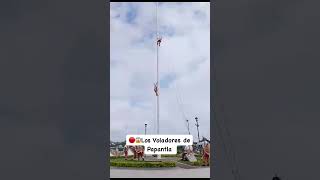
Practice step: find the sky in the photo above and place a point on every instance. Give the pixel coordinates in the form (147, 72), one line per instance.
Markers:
(184, 68)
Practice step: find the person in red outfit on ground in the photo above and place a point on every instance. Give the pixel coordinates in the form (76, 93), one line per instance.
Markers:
(206, 154)
(126, 152)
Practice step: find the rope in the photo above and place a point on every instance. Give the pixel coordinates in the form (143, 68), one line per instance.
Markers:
(178, 95)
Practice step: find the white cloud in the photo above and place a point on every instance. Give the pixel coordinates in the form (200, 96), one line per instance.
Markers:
(184, 51)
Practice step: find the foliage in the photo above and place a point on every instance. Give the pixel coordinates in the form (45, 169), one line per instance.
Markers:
(199, 161)
(170, 155)
(121, 162)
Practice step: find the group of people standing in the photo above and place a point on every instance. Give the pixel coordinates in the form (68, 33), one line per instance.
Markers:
(138, 152)
(205, 152)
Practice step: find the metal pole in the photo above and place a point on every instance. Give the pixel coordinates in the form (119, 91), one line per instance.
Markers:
(158, 83)
(126, 129)
(188, 126)
(198, 134)
(197, 128)
(145, 129)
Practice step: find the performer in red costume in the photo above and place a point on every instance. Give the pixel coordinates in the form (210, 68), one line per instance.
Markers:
(206, 155)
(126, 152)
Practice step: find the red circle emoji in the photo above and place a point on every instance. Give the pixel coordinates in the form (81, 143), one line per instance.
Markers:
(131, 139)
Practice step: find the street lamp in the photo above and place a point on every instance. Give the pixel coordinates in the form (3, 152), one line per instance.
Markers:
(197, 128)
(145, 129)
(188, 126)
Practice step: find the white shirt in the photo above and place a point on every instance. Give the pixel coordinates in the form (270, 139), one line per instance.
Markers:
(188, 148)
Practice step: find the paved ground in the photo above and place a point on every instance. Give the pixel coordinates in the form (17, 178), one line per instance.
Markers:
(176, 172)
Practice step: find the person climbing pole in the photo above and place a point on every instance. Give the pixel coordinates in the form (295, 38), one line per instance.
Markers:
(159, 41)
(156, 89)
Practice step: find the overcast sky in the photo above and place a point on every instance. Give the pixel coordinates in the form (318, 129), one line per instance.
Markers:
(184, 68)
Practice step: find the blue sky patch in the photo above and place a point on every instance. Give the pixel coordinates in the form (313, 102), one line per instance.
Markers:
(167, 31)
(131, 14)
(167, 80)
(199, 15)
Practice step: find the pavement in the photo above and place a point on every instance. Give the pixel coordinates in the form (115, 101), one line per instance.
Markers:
(175, 172)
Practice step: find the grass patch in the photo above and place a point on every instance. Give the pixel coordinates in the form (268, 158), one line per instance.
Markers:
(198, 156)
(170, 155)
(121, 162)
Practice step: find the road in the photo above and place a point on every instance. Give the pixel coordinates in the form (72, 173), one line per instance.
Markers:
(160, 173)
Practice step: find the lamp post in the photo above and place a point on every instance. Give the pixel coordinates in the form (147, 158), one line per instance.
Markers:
(188, 126)
(145, 129)
(197, 128)
(198, 133)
